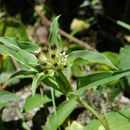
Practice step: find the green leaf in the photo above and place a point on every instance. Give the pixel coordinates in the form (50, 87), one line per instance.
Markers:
(36, 81)
(54, 37)
(51, 82)
(88, 57)
(23, 74)
(93, 125)
(22, 56)
(124, 59)
(9, 42)
(123, 24)
(4, 77)
(28, 46)
(125, 113)
(62, 81)
(19, 50)
(92, 78)
(63, 111)
(16, 45)
(75, 126)
(115, 120)
(35, 101)
(100, 79)
(6, 97)
(112, 56)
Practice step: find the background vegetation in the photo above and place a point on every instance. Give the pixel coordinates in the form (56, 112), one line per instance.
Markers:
(87, 85)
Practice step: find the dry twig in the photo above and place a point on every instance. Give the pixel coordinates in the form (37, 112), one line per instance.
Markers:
(63, 33)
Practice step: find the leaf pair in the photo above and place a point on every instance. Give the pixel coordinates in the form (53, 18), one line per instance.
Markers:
(96, 79)
(20, 51)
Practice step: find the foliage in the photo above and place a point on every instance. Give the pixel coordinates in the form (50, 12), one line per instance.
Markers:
(6, 97)
(48, 65)
(115, 120)
(35, 101)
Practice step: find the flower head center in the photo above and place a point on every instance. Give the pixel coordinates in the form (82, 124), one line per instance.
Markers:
(51, 59)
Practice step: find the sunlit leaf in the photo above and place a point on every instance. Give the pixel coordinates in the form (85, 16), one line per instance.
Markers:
(22, 56)
(51, 82)
(6, 97)
(115, 120)
(63, 111)
(75, 126)
(23, 74)
(35, 101)
(124, 59)
(88, 57)
(113, 57)
(54, 37)
(36, 81)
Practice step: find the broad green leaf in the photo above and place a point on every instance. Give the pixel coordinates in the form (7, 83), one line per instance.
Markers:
(51, 82)
(112, 56)
(93, 125)
(22, 56)
(7, 65)
(115, 120)
(83, 84)
(9, 42)
(17, 49)
(6, 97)
(88, 57)
(124, 59)
(28, 46)
(125, 113)
(23, 74)
(62, 81)
(16, 45)
(75, 126)
(35, 101)
(36, 81)
(92, 78)
(54, 37)
(63, 111)
(4, 77)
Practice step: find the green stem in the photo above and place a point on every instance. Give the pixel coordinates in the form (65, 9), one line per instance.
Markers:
(99, 117)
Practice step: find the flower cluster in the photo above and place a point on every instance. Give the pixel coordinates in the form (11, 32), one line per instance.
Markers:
(51, 59)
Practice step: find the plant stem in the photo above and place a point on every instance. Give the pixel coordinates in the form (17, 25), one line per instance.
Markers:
(99, 117)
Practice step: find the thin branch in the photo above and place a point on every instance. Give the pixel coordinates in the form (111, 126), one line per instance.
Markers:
(15, 64)
(4, 86)
(65, 34)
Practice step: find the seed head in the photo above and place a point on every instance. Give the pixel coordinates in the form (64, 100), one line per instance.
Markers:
(45, 50)
(53, 56)
(55, 64)
(65, 66)
(44, 63)
(46, 71)
(53, 47)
